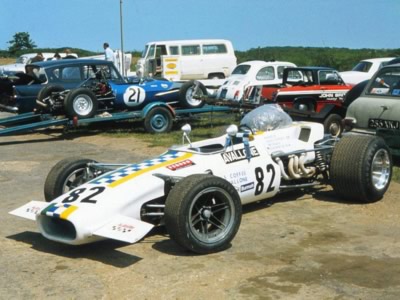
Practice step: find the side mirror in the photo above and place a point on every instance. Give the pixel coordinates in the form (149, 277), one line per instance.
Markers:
(187, 129)
(232, 130)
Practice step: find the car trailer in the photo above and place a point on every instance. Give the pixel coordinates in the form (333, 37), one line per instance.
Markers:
(158, 117)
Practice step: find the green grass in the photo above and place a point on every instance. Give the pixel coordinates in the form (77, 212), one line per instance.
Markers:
(205, 127)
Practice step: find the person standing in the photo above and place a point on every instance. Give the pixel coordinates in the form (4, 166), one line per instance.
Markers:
(108, 53)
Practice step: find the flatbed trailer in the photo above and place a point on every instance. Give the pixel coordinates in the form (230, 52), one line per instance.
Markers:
(158, 117)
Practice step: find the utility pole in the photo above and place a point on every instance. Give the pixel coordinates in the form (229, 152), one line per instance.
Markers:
(122, 39)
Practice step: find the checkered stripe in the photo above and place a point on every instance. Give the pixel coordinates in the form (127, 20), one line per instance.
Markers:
(121, 173)
(58, 209)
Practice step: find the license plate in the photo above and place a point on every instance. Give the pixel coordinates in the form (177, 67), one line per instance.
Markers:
(379, 123)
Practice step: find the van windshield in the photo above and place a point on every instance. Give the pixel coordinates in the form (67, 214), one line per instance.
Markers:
(145, 51)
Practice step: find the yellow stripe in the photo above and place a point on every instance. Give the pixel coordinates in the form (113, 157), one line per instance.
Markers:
(171, 59)
(133, 175)
(171, 72)
(65, 214)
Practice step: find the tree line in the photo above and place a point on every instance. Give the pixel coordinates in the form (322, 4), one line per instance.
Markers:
(338, 58)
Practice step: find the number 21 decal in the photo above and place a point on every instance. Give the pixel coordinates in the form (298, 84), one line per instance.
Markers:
(259, 172)
(134, 95)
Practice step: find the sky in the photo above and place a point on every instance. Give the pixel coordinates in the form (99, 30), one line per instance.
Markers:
(87, 24)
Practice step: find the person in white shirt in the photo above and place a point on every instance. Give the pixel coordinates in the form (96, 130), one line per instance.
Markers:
(108, 53)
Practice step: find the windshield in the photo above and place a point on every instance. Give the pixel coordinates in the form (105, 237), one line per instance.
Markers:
(387, 82)
(145, 51)
(241, 70)
(21, 60)
(362, 66)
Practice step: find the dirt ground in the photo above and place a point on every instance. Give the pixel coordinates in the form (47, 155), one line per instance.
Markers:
(299, 246)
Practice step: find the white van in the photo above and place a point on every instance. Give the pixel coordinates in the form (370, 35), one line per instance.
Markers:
(187, 59)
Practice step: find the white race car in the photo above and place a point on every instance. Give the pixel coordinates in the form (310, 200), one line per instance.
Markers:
(197, 190)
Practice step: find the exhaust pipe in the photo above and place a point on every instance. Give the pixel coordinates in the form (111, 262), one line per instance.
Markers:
(11, 109)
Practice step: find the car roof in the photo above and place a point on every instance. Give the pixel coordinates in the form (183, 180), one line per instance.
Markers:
(380, 59)
(311, 68)
(262, 62)
(72, 61)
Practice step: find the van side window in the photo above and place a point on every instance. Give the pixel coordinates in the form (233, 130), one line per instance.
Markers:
(173, 50)
(214, 49)
(191, 50)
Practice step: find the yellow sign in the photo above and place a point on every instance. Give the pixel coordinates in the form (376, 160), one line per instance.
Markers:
(171, 66)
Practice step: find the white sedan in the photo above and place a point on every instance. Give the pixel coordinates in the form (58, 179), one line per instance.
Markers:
(252, 73)
(364, 70)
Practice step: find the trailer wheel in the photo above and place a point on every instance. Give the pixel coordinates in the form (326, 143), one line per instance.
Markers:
(191, 93)
(361, 168)
(333, 125)
(203, 213)
(158, 120)
(81, 103)
(66, 175)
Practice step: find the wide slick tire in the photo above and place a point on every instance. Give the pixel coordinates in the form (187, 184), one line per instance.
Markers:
(361, 168)
(81, 103)
(203, 213)
(190, 94)
(66, 175)
(158, 120)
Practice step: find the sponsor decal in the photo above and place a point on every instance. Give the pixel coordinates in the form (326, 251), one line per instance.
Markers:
(332, 96)
(171, 66)
(180, 165)
(123, 228)
(164, 86)
(238, 155)
(247, 187)
(237, 178)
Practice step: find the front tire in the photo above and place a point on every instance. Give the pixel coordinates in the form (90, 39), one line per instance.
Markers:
(191, 93)
(203, 213)
(361, 168)
(66, 175)
(81, 103)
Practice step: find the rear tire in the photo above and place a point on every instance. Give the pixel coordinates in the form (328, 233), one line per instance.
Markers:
(361, 168)
(81, 103)
(203, 213)
(48, 90)
(66, 175)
